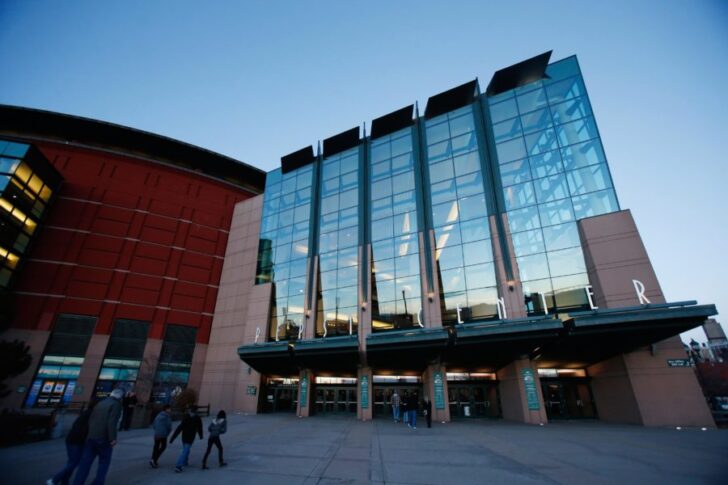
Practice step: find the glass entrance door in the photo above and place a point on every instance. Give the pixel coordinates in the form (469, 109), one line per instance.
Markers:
(568, 398)
(473, 400)
(335, 399)
(281, 396)
(383, 397)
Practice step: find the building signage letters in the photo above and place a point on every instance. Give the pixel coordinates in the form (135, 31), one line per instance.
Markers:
(529, 381)
(304, 391)
(364, 381)
(439, 391)
(678, 362)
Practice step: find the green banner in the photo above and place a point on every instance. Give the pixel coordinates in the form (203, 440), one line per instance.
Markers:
(304, 392)
(439, 390)
(531, 392)
(364, 392)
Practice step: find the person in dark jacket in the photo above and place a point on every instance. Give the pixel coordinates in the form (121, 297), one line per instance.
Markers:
(216, 428)
(162, 426)
(428, 411)
(191, 424)
(128, 404)
(102, 428)
(75, 440)
(413, 405)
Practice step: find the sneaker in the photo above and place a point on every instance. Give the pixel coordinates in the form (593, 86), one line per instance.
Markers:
(223, 464)
(414, 427)
(50, 482)
(205, 467)
(178, 469)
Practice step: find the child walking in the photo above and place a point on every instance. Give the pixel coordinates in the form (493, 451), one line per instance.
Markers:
(216, 428)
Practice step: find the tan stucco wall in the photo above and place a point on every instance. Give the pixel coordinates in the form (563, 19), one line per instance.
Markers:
(638, 387)
(240, 307)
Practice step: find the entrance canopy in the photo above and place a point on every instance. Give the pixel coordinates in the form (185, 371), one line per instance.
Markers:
(574, 341)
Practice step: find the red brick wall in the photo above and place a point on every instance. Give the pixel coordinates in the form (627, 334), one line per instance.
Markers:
(127, 238)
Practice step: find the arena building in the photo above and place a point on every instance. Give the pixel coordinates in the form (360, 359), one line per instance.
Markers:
(475, 254)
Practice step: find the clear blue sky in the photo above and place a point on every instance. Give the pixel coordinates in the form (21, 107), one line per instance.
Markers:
(258, 80)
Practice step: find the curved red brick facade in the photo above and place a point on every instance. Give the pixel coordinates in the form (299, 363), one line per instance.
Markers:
(127, 238)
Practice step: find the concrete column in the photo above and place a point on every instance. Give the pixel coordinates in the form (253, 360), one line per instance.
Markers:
(91, 366)
(196, 371)
(431, 311)
(364, 380)
(306, 381)
(511, 290)
(513, 387)
(432, 373)
(36, 340)
(148, 369)
(309, 316)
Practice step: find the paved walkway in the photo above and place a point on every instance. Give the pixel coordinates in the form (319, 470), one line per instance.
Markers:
(272, 449)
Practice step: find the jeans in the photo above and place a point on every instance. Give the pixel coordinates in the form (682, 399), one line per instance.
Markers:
(413, 418)
(74, 456)
(92, 449)
(185, 455)
(405, 416)
(213, 441)
(160, 444)
(395, 412)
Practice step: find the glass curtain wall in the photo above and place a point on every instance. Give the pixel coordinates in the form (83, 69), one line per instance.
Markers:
(464, 254)
(124, 354)
(283, 248)
(23, 199)
(396, 291)
(55, 381)
(338, 245)
(553, 173)
(175, 362)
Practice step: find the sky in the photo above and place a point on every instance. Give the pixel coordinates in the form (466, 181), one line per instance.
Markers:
(257, 80)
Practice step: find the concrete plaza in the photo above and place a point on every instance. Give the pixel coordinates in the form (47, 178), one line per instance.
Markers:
(272, 449)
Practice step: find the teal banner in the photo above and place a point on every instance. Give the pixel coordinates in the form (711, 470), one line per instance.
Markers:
(439, 390)
(304, 392)
(531, 392)
(364, 392)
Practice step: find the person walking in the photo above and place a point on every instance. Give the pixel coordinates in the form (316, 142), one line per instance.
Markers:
(216, 428)
(412, 405)
(74, 446)
(162, 426)
(101, 439)
(405, 408)
(190, 426)
(428, 411)
(128, 404)
(395, 406)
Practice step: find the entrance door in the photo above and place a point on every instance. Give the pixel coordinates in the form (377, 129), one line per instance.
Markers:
(474, 400)
(383, 396)
(281, 399)
(568, 398)
(335, 399)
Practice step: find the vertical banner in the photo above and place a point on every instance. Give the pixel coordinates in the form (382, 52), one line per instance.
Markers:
(439, 390)
(529, 381)
(304, 392)
(364, 392)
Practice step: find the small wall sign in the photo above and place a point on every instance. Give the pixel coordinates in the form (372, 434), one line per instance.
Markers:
(252, 390)
(678, 362)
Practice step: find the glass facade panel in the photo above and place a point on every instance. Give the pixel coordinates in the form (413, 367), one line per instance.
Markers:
(396, 262)
(564, 179)
(460, 212)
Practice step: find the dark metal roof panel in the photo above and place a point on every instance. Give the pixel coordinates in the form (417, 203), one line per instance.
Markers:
(35, 124)
(341, 142)
(451, 99)
(297, 159)
(392, 122)
(519, 74)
